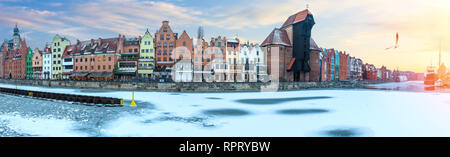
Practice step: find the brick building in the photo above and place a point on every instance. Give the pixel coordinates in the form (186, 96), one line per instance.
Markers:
(183, 55)
(315, 62)
(14, 57)
(219, 65)
(278, 49)
(127, 65)
(370, 72)
(343, 66)
(165, 40)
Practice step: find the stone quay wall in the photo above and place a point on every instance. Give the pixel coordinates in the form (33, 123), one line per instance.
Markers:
(189, 86)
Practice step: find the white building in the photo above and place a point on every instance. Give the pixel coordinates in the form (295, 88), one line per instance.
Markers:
(252, 59)
(232, 61)
(67, 61)
(47, 63)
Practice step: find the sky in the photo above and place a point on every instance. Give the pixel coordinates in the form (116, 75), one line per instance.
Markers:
(361, 28)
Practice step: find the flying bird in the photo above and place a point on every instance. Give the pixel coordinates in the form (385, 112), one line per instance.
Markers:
(396, 43)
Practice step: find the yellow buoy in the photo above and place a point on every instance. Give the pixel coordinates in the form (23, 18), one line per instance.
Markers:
(30, 93)
(133, 104)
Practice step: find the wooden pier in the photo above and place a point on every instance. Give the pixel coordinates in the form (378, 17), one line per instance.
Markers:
(106, 101)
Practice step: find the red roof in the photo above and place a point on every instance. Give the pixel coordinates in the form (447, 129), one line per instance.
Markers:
(106, 45)
(277, 37)
(298, 17)
(68, 52)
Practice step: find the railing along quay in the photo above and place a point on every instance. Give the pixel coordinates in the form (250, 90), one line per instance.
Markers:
(106, 101)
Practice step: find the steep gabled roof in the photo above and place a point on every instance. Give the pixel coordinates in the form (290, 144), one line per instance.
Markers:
(298, 17)
(277, 37)
(68, 52)
(313, 45)
(184, 35)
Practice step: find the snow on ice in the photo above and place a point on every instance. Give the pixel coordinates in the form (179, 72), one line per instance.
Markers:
(317, 112)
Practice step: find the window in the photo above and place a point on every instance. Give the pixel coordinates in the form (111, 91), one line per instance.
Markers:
(129, 50)
(109, 58)
(184, 43)
(142, 51)
(165, 29)
(135, 50)
(159, 44)
(170, 44)
(165, 52)
(219, 44)
(165, 44)
(168, 37)
(59, 49)
(161, 37)
(98, 67)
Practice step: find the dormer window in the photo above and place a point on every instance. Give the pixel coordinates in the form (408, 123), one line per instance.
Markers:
(165, 29)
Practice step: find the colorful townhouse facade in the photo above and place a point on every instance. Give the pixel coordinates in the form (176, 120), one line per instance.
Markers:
(47, 63)
(183, 55)
(29, 64)
(252, 59)
(67, 61)
(165, 40)
(37, 64)
(58, 46)
(127, 65)
(146, 57)
(95, 59)
(234, 69)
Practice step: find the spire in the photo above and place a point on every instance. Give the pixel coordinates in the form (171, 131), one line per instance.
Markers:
(16, 30)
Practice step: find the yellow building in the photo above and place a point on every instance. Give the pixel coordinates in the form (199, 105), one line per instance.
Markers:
(146, 56)
(57, 49)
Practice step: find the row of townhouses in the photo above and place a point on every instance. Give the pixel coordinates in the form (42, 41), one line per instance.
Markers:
(287, 54)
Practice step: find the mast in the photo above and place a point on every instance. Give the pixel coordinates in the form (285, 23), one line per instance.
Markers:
(440, 47)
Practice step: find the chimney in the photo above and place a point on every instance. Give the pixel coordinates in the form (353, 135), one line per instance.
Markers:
(99, 41)
(92, 42)
(78, 42)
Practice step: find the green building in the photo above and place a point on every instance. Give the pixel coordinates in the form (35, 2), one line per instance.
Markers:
(146, 56)
(29, 62)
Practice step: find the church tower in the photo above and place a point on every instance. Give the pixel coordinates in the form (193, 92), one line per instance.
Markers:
(16, 38)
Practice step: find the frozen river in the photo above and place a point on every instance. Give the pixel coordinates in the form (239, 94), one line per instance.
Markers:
(316, 112)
